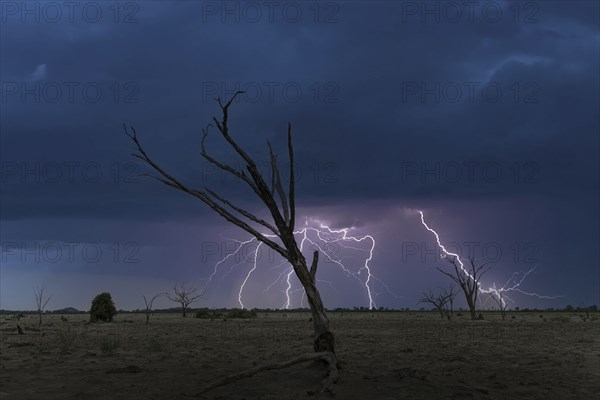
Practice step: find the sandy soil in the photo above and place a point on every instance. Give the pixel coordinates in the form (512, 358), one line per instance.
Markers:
(382, 356)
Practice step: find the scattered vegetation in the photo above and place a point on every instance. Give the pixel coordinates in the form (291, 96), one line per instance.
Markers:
(205, 313)
(241, 313)
(109, 345)
(560, 318)
(66, 340)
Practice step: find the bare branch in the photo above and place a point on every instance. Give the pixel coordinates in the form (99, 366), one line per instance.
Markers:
(276, 184)
(240, 174)
(184, 296)
(171, 181)
(41, 301)
(292, 180)
(313, 267)
(325, 356)
(469, 282)
(244, 212)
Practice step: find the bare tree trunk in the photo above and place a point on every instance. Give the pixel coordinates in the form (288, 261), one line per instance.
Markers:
(324, 340)
(323, 337)
(472, 310)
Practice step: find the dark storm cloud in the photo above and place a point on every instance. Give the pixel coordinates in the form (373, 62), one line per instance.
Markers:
(384, 133)
(395, 109)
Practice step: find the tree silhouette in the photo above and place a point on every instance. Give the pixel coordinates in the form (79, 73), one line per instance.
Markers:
(148, 304)
(282, 209)
(443, 301)
(467, 280)
(185, 296)
(41, 300)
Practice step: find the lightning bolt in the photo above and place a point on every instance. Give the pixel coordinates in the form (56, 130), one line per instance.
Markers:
(512, 284)
(318, 235)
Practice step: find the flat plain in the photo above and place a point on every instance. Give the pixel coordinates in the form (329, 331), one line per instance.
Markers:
(382, 355)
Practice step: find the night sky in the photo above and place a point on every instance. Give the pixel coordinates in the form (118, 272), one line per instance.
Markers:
(483, 115)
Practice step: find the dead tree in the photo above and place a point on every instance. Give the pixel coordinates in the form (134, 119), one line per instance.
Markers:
(281, 206)
(148, 303)
(443, 301)
(182, 295)
(585, 307)
(500, 301)
(467, 280)
(40, 301)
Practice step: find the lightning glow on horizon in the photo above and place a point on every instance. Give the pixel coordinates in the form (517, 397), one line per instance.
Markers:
(320, 236)
(493, 290)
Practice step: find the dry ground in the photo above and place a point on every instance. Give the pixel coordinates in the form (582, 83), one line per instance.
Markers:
(382, 356)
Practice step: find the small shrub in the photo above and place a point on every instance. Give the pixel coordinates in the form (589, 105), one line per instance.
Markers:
(103, 308)
(241, 313)
(66, 340)
(108, 346)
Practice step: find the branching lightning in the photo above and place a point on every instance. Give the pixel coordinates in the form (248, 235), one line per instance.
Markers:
(321, 237)
(512, 284)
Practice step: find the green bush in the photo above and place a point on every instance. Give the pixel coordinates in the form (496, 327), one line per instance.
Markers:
(103, 308)
(241, 313)
(205, 313)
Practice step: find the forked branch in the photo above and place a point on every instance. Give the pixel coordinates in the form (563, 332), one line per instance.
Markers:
(326, 356)
(283, 219)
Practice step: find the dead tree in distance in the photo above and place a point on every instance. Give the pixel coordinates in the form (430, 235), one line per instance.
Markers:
(443, 301)
(184, 296)
(281, 207)
(467, 280)
(148, 303)
(41, 301)
(500, 301)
